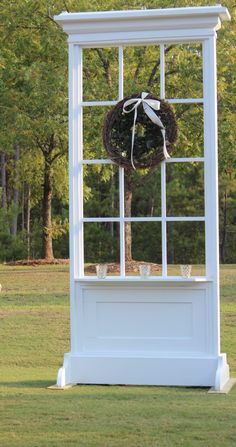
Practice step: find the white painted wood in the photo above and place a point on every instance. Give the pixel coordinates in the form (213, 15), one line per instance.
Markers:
(225, 389)
(112, 28)
(145, 219)
(121, 74)
(79, 204)
(97, 161)
(122, 220)
(140, 26)
(101, 219)
(75, 194)
(185, 160)
(185, 219)
(98, 103)
(150, 279)
(160, 330)
(163, 222)
(121, 170)
(170, 100)
(162, 71)
(185, 100)
(169, 160)
(141, 369)
(211, 177)
(61, 378)
(145, 320)
(110, 39)
(155, 334)
(196, 12)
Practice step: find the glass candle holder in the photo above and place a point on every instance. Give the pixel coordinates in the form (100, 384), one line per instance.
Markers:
(186, 270)
(101, 270)
(144, 270)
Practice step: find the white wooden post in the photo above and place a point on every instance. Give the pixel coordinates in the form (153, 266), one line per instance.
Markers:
(75, 148)
(211, 178)
(121, 173)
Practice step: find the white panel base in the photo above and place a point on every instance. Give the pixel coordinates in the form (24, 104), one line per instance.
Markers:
(144, 334)
(144, 371)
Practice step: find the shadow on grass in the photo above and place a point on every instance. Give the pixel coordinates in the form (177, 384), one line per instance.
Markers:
(28, 384)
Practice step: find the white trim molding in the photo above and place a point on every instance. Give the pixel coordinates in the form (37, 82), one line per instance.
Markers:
(142, 26)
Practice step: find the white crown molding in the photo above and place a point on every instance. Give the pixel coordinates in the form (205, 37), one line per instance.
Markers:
(109, 27)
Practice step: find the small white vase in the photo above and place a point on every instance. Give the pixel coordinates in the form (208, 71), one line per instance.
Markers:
(144, 270)
(101, 270)
(186, 270)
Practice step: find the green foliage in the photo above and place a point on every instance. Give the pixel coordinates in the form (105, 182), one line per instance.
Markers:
(101, 242)
(101, 191)
(33, 90)
(11, 247)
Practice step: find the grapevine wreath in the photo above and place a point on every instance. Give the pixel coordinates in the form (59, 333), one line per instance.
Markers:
(140, 131)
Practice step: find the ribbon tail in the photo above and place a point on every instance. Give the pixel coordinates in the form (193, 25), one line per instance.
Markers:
(156, 120)
(165, 153)
(133, 135)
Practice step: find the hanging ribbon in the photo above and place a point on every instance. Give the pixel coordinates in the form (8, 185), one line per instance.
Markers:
(148, 106)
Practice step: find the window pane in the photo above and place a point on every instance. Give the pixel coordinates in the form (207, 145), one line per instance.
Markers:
(184, 62)
(190, 130)
(101, 190)
(93, 121)
(100, 74)
(143, 193)
(101, 246)
(185, 189)
(142, 69)
(186, 246)
(143, 246)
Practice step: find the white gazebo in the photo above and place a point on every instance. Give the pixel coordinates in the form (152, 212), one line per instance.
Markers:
(159, 330)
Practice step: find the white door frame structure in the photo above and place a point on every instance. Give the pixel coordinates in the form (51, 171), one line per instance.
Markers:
(117, 330)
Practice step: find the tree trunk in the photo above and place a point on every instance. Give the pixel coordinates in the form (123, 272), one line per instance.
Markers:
(3, 181)
(15, 190)
(28, 210)
(47, 209)
(128, 229)
(23, 208)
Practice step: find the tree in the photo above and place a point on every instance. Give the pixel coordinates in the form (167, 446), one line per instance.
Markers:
(40, 85)
(33, 89)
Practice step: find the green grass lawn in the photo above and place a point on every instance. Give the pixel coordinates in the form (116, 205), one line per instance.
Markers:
(34, 327)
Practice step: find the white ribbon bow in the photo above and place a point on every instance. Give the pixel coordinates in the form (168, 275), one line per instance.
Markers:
(148, 106)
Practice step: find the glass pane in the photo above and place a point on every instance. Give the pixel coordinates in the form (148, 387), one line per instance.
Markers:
(101, 190)
(186, 246)
(143, 246)
(142, 69)
(143, 193)
(190, 124)
(101, 246)
(185, 189)
(183, 62)
(100, 74)
(93, 121)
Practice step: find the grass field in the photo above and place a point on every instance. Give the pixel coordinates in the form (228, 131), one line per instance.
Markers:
(34, 328)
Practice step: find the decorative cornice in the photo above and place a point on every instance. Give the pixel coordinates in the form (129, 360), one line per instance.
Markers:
(129, 26)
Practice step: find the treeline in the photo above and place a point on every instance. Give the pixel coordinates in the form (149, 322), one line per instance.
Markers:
(34, 142)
